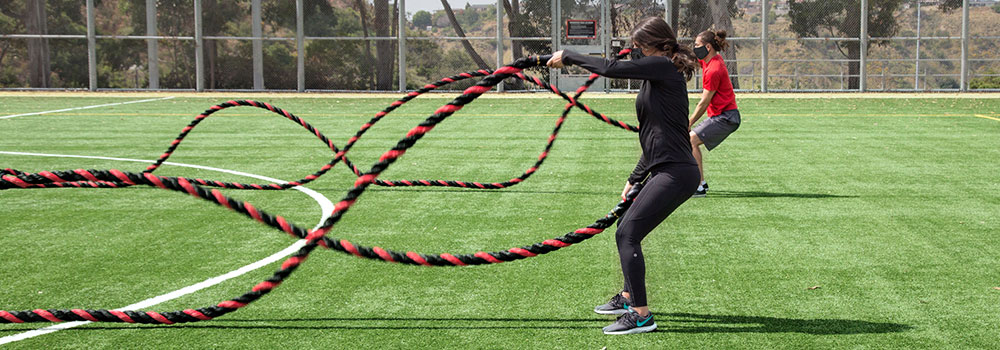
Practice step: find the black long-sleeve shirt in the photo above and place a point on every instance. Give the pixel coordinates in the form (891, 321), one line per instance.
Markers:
(661, 106)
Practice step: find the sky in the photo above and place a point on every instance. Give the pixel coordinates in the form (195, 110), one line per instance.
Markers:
(412, 6)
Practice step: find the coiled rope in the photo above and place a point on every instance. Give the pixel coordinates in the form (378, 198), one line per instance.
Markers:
(113, 178)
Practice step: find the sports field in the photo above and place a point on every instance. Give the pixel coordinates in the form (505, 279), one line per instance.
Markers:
(863, 221)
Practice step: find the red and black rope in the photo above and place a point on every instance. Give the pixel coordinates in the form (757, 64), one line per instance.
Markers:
(11, 178)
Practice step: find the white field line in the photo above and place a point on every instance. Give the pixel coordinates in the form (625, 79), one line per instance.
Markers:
(86, 107)
(326, 207)
(987, 117)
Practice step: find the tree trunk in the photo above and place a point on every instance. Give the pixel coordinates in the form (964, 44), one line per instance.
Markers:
(3, 52)
(515, 47)
(383, 48)
(853, 67)
(851, 29)
(368, 45)
(515, 15)
(39, 69)
(722, 21)
(465, 42)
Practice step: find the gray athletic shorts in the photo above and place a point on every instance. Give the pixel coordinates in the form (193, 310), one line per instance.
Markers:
(715, 129)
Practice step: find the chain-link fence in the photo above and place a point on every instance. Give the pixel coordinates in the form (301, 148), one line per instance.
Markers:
(390, 45)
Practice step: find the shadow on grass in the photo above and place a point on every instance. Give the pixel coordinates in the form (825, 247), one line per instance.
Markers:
(491, 191)
(712, 194)
(609, 194)
(668, 322)
(761, 194)
(701, 323)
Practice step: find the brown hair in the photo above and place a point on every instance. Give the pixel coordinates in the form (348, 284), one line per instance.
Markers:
(715, 38)
(655, 33)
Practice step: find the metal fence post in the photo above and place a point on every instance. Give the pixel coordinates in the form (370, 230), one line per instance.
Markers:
(500, 39)
(401, 43)
(605, 32)
(965, 46)
(764, 8)
(668, 8)
(863, 61)
(556, 21)
(91, 46)
(152, 47)
(300, 49)
(916, 69)
(199, 49)
(258, 46)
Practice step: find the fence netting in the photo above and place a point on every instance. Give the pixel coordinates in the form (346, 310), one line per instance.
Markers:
(354, 45)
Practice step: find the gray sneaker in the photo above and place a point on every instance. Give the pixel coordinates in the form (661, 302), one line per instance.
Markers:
(631, 323)
(616, 306)
(701, 192)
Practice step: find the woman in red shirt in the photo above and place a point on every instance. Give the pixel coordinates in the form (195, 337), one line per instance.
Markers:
(717, 98)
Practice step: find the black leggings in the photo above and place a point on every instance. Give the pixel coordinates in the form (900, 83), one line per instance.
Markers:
(665, 190)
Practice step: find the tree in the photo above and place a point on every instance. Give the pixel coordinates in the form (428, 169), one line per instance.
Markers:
(422, 19)
(35, 22)
(470, 15)
(9, 11)
(842, 18)
(383, 48)
(461, 33)
(532, 18)
(625, 14)
(329, 64)
(362, 6)
(703, 15)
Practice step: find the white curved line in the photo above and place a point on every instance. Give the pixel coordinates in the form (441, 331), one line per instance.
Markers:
(85, 107)
(326, 207)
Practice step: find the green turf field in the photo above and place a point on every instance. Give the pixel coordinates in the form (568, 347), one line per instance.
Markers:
(831, 223)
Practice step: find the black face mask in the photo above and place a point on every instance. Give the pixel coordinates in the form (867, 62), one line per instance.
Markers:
(636, 53)
(701, 52)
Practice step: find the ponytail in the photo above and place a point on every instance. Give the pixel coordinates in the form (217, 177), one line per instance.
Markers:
(715, 38)
(655, 33)
(685, 61)
(720, 41)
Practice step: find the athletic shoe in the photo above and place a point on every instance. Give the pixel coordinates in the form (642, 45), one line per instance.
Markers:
(631, 323)
(616, 306)
(702, 191)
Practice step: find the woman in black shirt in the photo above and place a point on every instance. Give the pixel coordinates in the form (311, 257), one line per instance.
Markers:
(666, 165)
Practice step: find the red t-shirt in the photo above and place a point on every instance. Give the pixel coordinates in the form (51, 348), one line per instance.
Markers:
(716, 78)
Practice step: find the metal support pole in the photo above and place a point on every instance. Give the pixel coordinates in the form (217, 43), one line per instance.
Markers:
(605, 30)
(199, 49)
(916, 70)
(258, 46)
(863, 79)
(965, 46)
(401, 39)
(152, 47)
(556, 22)
(764, 7)
(91, 46)
(668, 8)
(300, 48)
(500, 40)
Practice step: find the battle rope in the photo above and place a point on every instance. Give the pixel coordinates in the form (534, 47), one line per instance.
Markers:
(11, 178)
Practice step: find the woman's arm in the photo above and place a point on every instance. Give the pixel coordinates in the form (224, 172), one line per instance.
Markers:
(706, 99)
(640, 171)
(649, 68)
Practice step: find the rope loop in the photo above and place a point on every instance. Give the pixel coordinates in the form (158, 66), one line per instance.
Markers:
(199, 188)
